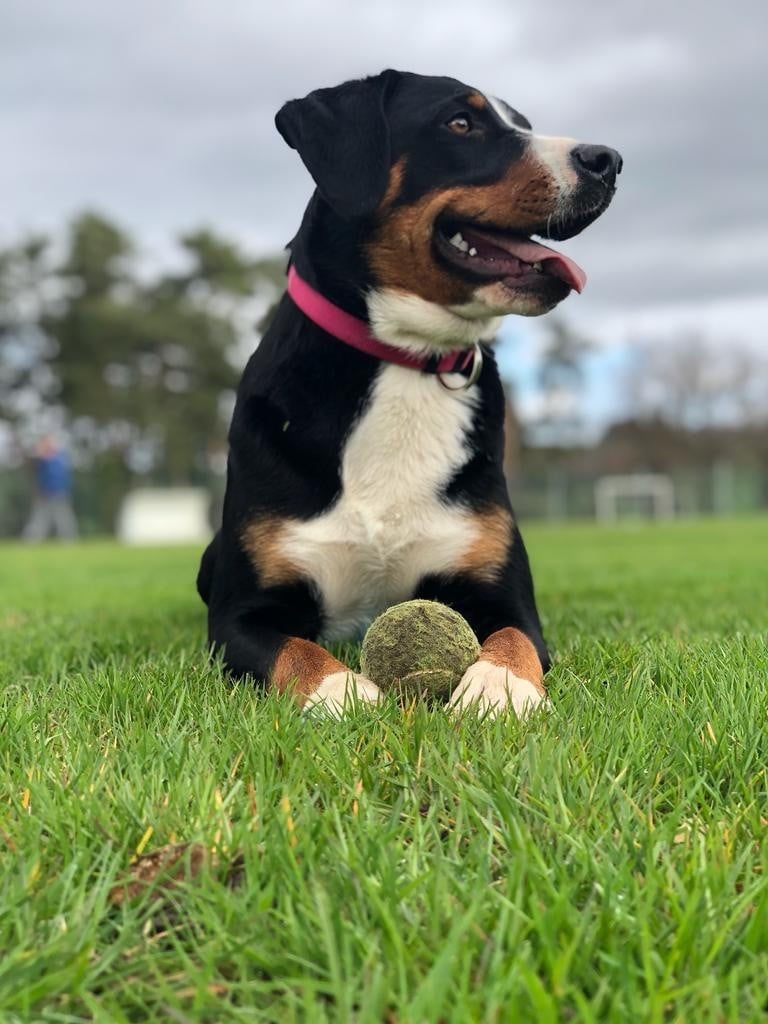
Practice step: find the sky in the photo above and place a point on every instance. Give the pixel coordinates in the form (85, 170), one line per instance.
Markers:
(161, 115)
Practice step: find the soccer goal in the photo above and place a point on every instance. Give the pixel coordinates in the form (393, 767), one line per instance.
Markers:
(646, 495)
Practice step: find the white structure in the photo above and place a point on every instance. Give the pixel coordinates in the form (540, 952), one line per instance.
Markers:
(168, 515)
(655, 487)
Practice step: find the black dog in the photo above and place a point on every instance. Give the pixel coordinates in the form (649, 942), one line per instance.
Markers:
(365, 463)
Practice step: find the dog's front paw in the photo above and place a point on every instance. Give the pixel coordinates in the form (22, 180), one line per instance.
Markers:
(340, 692)
(492, 689)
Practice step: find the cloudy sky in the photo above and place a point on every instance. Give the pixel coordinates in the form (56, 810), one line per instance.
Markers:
(161, 114)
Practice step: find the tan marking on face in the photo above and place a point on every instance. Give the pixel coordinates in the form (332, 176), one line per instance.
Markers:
(400, 253)
(477, 100)
(511, 649)
(301, 666)
(262, 540)
(486, 555)
(394, 183)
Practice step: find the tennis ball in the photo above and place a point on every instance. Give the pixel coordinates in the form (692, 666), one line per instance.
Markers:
(418, 648)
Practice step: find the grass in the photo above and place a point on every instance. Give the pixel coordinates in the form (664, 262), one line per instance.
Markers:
(605, 862)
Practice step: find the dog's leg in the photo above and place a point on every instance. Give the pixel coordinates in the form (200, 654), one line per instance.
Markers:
(264, 633)
(290, 664)
(501, 609)
(318, 679)
(507, 675)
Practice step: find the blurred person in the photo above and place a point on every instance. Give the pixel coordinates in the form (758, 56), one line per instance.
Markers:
(52, 512)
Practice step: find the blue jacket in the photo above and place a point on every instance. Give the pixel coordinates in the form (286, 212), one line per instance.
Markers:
(54, 475)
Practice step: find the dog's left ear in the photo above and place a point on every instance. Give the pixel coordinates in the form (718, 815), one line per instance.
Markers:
(342, 136)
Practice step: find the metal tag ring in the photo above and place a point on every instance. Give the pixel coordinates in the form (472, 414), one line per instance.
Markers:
(477, 366)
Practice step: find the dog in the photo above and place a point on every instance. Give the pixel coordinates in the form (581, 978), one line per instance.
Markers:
(366, 444)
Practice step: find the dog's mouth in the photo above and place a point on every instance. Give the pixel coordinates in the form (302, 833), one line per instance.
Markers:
(493, 254)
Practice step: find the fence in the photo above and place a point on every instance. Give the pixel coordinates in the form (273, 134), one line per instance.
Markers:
(723, 489)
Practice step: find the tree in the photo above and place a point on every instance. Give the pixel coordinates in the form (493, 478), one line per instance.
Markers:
(561, 383)
(693, 382)
(26, 381)
(140, 373)
(147, 364)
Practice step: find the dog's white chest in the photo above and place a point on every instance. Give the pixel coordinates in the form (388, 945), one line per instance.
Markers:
(389, 526)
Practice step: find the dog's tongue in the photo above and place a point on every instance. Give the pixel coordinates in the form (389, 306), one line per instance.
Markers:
(531, 252)
(553, 262)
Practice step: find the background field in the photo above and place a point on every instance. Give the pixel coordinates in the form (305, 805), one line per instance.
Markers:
(603, 862)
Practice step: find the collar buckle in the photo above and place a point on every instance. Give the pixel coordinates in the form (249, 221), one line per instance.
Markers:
(473, 375)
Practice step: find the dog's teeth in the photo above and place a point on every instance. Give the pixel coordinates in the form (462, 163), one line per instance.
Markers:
(537, 267)
(473, 251)
(457, 241)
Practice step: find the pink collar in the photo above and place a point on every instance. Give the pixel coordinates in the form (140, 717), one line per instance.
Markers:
(355, 332)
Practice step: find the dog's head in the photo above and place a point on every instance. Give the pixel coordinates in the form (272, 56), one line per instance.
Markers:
(438, 189)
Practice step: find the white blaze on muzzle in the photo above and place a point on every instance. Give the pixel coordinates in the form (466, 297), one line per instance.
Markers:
(553, 152)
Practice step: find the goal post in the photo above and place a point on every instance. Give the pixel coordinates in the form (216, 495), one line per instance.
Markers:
(643, 494)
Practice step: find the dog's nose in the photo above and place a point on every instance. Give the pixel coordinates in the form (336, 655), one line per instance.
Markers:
(598, 162)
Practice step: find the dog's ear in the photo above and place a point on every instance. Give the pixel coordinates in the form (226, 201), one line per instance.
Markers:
(342, 136)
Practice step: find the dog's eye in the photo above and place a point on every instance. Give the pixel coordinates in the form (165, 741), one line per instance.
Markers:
(460, 124)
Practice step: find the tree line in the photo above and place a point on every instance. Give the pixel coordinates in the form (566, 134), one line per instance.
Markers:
(137, 369)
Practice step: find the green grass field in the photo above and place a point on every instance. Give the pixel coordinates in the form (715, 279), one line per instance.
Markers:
(604, 862)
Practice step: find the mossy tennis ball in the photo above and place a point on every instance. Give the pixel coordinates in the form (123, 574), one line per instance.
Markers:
(418, 648)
